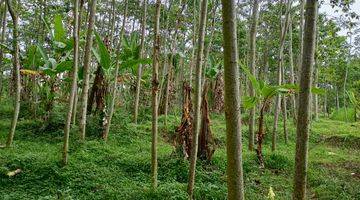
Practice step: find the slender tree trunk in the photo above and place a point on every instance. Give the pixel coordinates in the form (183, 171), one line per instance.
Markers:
(171, 70)
(112, 22)
(197, 120)
(301, 36)
(337, 99)
(76, 98)
(316, 97)
(86, 68)
(107, 122)
(2, 39)
(284, 27)
(192, 61)
(302, 129)
(74, 83)
(292, 71)
(139, 73)
(16, 70)
(252, 60)
(155, 85)
(234, 170)
(345, 79)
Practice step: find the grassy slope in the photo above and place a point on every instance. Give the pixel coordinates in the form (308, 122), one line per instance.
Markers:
(120, 169)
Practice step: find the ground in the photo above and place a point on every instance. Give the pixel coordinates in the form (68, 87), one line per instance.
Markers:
(120, 168)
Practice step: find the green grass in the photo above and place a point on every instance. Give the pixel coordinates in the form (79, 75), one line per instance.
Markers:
(120, 169)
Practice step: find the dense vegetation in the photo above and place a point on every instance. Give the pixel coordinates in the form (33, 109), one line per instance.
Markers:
(188, 99)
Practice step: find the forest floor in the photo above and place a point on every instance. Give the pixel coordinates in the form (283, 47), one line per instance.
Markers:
(120, 169)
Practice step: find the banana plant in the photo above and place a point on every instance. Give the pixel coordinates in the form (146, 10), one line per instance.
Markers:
(263, 96)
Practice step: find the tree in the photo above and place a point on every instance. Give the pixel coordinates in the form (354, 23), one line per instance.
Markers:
(235, 182)
(155, 89)
(197, 115)
(105, 133)
(2, 39)
(73, 84)
(283, 29)
(16, 71)
(142, 44)
(86, 68)
(303, 124)
(252, 60)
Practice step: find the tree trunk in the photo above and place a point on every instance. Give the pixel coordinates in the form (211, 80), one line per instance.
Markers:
(74, 83)
(197, 120)
(108, 118)
(283, 29)
(292, 71)
(234, 170)
(16, 69)
(302, 128)
(155, 85)
(2, 39)
(252, 60)
(86, 68)
(139, 72)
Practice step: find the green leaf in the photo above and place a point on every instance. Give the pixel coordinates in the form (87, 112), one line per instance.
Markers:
(249, 102)
(130, 63)
(59, 30)
(42, 52)
(255, 83)
(64, 66)
(315, 90)
(105, 60)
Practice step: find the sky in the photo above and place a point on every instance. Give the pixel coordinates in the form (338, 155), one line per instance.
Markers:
(326, 8)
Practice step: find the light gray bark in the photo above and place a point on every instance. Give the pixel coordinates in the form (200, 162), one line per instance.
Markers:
(197, 106)
(252, 61)
(303, 125)
(155, 90)
(16, 71)
(234, 170)
(73, 84)
(86, 68)
(114, 86)
(139, 73)
(283, 29)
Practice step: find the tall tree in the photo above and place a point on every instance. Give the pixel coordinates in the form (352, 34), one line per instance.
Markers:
(234, 171)
(303, 118)
(74, 82)
(109, 116)
(252, 61)
(16, 71)
(155, 90)
(139, 73)
(2, 39)
(86, 68)
(197, 120)
(283, 30)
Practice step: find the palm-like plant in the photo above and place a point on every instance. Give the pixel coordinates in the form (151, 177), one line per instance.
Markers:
(263, 94)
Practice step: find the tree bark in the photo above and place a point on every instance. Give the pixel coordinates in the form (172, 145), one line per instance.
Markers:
(108, 119)
(252, 60)
(155, 90)
(197, 120)
(16, 69)
(73, 84)
(302, 128)
(234, 170)
(86, 68)
(139, 72)
(283, 29)
(2, 39)
(292, 71)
